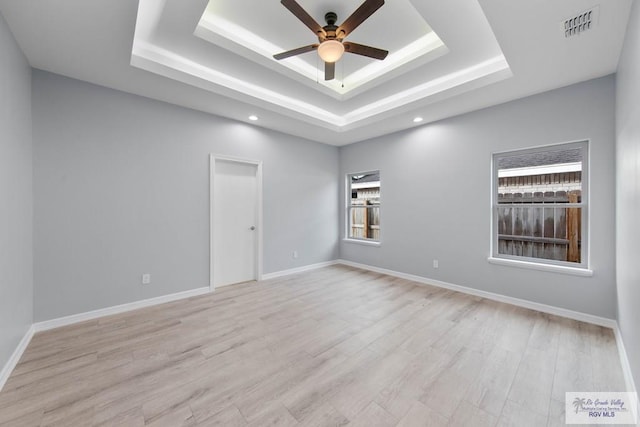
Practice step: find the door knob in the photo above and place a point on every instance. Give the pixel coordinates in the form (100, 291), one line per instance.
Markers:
(253, 227)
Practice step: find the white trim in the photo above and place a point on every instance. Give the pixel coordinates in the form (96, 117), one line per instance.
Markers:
(90, 315)
(155, 59)
(570, 314)
(260, 222)
(574, 271)
(361, 241)
(624, 361)
(15, 357)
(371, 184)
(297, 270)
(540, 170)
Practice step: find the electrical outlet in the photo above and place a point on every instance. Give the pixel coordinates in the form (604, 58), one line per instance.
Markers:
(295, 254)
(436, 264)
(146, 279)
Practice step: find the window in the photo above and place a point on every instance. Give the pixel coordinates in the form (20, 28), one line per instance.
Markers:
(363, 206)
(540, 205)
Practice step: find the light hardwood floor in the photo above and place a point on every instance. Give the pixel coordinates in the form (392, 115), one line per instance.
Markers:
(334, 346)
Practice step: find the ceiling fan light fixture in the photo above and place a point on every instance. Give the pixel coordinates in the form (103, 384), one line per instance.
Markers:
(330, 50)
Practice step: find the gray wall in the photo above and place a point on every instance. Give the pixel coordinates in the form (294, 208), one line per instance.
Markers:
(16, 196)
(628, 191)
(436, 195)
(122, 188)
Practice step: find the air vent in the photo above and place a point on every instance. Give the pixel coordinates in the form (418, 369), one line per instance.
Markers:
(581, 22)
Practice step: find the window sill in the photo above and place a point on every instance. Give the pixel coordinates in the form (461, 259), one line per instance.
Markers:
(584, 272)
(361, 242)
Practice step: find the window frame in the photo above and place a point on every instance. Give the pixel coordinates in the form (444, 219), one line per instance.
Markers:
(349, 207)
(582, 268)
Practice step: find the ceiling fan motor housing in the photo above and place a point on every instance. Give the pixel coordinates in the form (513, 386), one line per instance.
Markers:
(331, 28)
(331, 18)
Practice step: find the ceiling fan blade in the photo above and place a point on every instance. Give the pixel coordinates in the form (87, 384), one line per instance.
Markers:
(294, 52)
(303, 16)
(365, 10)
(360, 49)
(329, 70)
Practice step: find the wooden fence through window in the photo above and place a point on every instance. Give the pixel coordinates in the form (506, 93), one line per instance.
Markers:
(540, 225)
(365, 220)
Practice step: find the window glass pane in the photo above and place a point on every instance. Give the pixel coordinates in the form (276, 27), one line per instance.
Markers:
(365, 187)
(364, 206)
(364, 222)
(519, 232)
(535, 212)
(539, 158)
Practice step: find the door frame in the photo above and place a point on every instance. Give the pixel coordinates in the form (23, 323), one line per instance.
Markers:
(259, 236)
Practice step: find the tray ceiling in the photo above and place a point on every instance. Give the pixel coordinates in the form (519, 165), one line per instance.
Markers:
(445, 57)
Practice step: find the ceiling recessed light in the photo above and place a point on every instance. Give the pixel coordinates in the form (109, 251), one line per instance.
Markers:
(417, 120)
(253, 117)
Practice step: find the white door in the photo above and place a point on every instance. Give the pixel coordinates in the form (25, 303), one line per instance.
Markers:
(234, 208)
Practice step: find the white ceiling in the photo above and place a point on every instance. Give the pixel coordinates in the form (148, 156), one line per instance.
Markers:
(225, 23)
(446, 57)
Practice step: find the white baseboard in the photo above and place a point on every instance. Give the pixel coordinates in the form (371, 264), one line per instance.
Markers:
(297, 270)
(562, 312)
(624, 362)
(15, 357)
(90, 315)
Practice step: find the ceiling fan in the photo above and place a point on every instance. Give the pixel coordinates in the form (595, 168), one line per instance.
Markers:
(330, 37)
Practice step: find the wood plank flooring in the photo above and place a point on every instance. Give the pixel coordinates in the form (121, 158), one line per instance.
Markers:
(331, 347)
